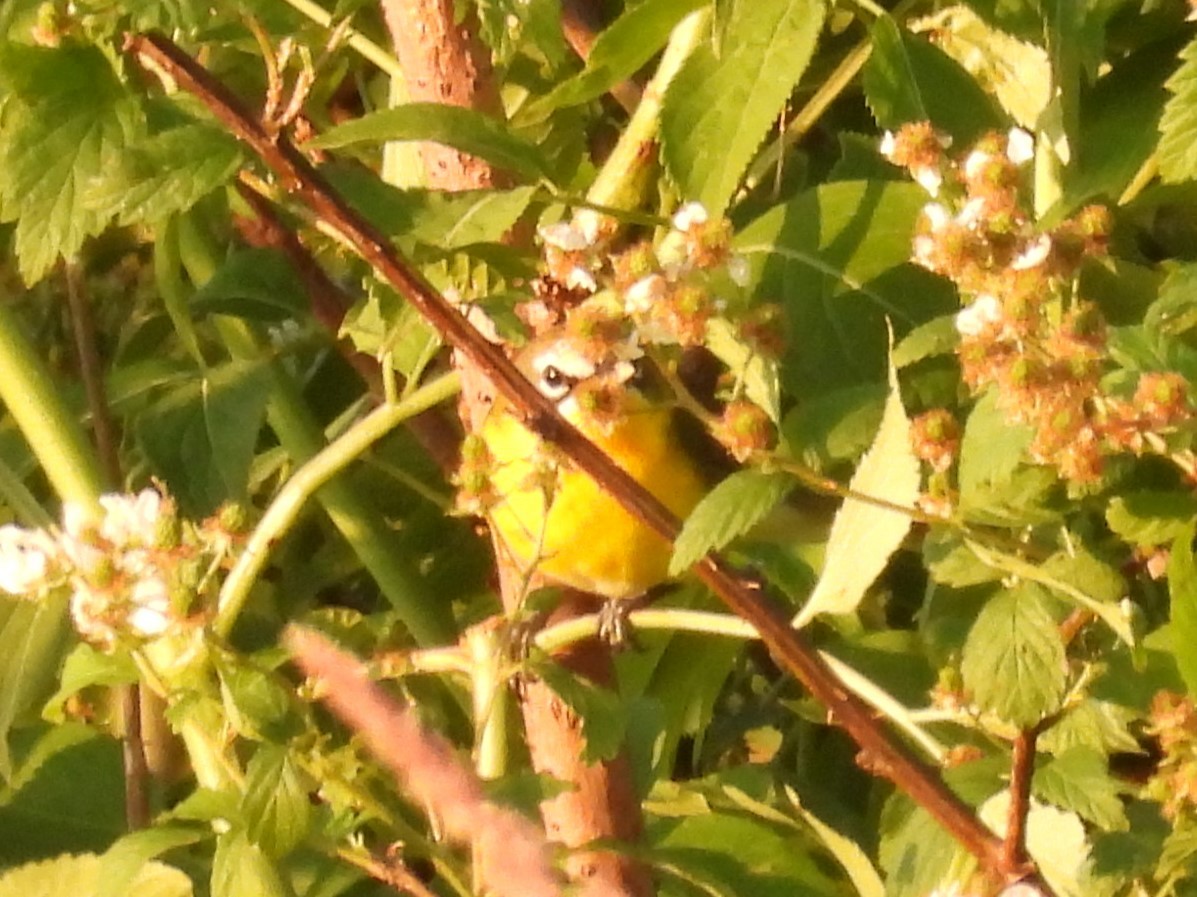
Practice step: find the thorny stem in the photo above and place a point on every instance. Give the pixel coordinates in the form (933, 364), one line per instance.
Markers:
(792, 649)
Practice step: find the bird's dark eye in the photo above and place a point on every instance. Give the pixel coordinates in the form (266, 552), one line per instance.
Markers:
(553, 377)
(554, 383)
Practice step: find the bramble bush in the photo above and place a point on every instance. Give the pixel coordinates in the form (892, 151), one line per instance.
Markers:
(934, 261)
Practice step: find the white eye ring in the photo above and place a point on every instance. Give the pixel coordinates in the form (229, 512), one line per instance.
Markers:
(554, 384)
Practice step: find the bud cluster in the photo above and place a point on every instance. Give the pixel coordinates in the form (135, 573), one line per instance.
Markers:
(1024, 331)
(1173, 722)
(132, 571)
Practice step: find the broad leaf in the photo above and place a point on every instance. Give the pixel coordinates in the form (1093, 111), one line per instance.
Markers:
(463, 129)
(126, 861)
(1013, 661)
(79, 876)
(722, 103)
(729, 510)
(276, 806)
(241, 869)
(67, 120)
(618, 53)
(1178, 126)
(257, 284)
(1079, 780)
(1151, 518)
(865, 535)
(907, 79)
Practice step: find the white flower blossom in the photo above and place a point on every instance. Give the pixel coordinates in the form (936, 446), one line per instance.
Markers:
(132, 519)
(924, 251)
(975, 162)
(640, 296)
(565, 236)
(739, 270)
(1020, 146)
(26, 559)
(1034, 255)
(150, 614)
(580, 279)
(983, 312)
(690, 215)
(929, 178)
(888, 144)
(937, 216)
(973, 213)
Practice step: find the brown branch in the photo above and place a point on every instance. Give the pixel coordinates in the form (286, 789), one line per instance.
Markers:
(1022, 768)
(103, 430)
(791, 648)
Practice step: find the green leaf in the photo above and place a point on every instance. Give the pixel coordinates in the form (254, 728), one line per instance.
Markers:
(620, 51)
(1150, 518)
(1177, 152)
(836, 257)
(1175, 309)
(241, 869)
(952, 562)
(1079, 780)
(1056, 841)
(34, 637)
(256, 284)
(729, 510)
(126, 860)
(166, 174)
(938, 336)
(67, 120)
(600, 710)
(864, 535)
(201, 438)
(837, 426)
(79, 876)
(916, 853)
(997, 483)
(86, 667)
(1013, 661)
(1092, 724)
(757, 373)
(463, 129)
(907, 79)
(720, 105)
(275, 805)
(257, 702)
(1182, 588)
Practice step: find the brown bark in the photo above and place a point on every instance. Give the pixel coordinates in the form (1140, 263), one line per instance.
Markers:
(446, 62)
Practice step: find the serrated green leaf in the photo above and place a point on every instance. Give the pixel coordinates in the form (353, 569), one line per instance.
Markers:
(600, 710)
(720, 105)
(1013, 660)
(125, 861)
(86, 667)
(1056, 841)
(936, 337)
(906, 79)
(837, 426)
(1093, 724)
(258, 704)
(34, 637)
(1086, 573)
(1079, 780)
(256, 284)
(463, 129)
(79, 876)
(951, 561)
(165, 174)
(66, 121)
(727, 511)
(241, 869)
(618, 53)
(1175, 309)
(1177, 151)
(997, 483)
(757, 373)
(1016, 72)
(864, 535)
(836, 257)
(275, 803)
(201, 438)
(1182, 589)
(1150, 518)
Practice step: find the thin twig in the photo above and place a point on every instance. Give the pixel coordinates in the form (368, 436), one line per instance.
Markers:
(791, 648)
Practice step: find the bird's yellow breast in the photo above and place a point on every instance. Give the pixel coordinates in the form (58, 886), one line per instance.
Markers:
(556, 520)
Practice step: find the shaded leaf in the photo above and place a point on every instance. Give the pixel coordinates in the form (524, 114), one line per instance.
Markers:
(1182, 588)
(256, 284)
(1151, 518)
(463, 129)
(600, 709)
(1079, 780)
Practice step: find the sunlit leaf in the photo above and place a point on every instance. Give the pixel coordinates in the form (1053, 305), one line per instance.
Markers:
(729, 510)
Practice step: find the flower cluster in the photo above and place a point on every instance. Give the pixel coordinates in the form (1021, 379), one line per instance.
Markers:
(1173, 721)
(1024, 331)
(130, 571)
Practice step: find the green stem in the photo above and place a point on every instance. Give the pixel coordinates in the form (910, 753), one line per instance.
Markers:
(490, 700)
(351, 512)
(385, 60)
(622, 179)
(309, 479)
(51, 430)
(556, 637)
